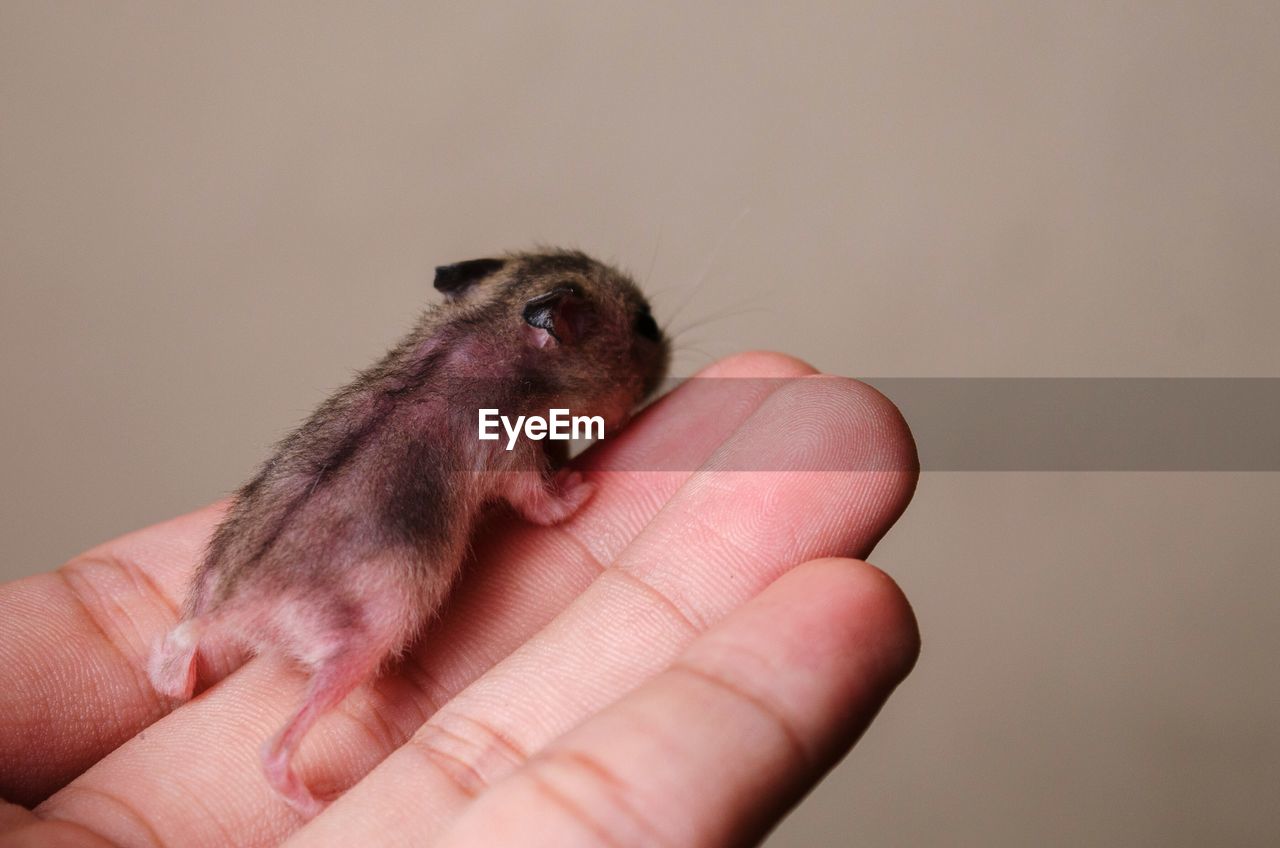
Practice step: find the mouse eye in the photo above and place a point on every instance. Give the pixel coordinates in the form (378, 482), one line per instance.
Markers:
(647, 327)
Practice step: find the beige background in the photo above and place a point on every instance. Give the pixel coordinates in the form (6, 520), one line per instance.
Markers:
(210, 213)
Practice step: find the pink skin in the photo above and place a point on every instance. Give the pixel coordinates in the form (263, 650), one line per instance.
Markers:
(339, 654)
(543, 503)
(172, 667)
(339, 657)
(353, 659)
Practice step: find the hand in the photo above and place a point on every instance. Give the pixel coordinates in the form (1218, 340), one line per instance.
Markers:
(661, 669)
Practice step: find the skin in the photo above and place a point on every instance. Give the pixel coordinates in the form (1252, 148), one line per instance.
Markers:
(675, 665)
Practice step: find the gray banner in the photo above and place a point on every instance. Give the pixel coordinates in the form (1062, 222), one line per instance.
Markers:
(1079, 424)
(1055, 424)
(979, 424)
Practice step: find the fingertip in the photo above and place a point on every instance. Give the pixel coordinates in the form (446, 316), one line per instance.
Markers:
(759, 363)
(877, 605)
(890, 424)
(856, 418)
(831, 423)
(834, 625)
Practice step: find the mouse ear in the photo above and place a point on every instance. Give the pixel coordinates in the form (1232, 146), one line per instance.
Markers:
(559, 315)
(455, 279)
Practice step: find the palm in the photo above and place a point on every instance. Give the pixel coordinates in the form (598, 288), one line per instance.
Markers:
(677, 696)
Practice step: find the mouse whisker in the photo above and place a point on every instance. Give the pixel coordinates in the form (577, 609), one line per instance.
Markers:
(653, 260)
(711, 319)
(743, 306)
(711, 260)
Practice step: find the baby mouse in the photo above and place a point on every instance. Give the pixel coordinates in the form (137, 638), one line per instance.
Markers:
(348, 538)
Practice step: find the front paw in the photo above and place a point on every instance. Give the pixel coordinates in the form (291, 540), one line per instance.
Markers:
(572, 490)
(557, 499)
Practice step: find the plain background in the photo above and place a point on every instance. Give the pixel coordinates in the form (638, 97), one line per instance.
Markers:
(211, 213)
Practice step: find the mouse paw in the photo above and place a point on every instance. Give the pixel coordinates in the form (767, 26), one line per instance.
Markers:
(275, 765)
(172, 666)
(572, 489)
(551, 502)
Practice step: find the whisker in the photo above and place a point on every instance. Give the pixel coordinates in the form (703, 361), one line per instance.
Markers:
(743, 306)
(711, 260)
(653, 260)
(711, 319)
(707, 357)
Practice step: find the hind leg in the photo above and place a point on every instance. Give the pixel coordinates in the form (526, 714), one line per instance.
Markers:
(172, 667)
(343, 640)
(333, 679)
(341, 624)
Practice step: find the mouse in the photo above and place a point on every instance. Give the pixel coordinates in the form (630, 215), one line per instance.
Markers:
(346, 541)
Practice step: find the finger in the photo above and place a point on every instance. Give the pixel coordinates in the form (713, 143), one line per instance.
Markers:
(541, 571)
(20, 828)
(72, 645)
(719, 540)
(714, 750)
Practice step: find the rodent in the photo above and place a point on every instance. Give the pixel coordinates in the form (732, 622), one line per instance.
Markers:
(350, 535)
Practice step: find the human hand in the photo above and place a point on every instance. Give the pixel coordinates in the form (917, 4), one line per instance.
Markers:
(686, 694)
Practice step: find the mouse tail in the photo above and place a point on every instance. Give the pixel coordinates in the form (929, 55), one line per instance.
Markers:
(172, 667)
